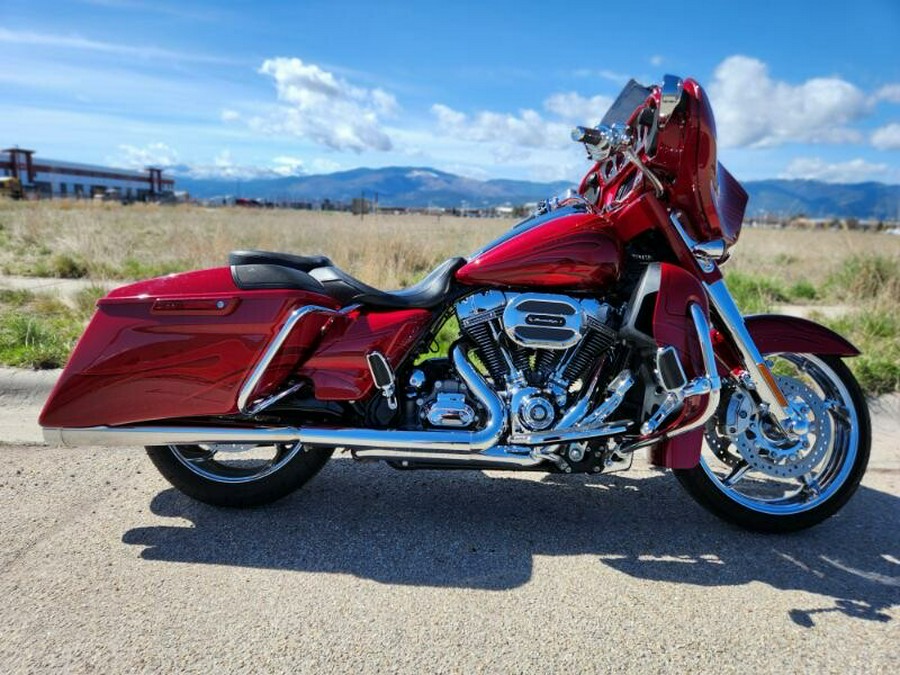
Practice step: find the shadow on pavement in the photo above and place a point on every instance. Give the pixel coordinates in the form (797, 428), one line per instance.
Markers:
(467, 529)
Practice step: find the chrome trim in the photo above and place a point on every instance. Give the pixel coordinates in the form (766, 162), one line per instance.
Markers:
(260, 369)
(274, 398)
(670, 94)
(572, 325)
(617, 390)
(460, 441)
(698, 250)
(162, 435)
(491, 457)
(733, 322)
(558, 436)
(709, 383)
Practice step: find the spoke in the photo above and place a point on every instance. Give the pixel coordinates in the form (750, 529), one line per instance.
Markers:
(811, 485)
(201, 456)
(838, 409)
(737, 473)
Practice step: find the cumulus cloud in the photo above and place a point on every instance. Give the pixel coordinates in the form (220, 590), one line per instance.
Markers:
(578, 109)
(316, 105)
(887, 137)
(153, 154)
(853, 171)
(752, 109)
(890, 92)
(528, 129)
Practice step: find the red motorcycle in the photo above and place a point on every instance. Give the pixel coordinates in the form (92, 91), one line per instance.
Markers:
(598, 326)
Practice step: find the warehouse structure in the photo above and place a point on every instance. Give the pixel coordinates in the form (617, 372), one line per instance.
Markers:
(47, 178)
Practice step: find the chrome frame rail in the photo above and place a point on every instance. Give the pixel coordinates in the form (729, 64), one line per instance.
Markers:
(249, 386)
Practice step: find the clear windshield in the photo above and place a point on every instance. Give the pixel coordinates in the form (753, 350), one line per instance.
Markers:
(628, 100)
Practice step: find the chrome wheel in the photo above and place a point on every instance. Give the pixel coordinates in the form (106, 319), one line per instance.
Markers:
(234, 462)
(752, 474)
(226, 474)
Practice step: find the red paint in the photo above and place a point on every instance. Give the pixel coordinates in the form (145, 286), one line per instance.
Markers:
(572, 252)
(339, 370)
(710, 197)
(135, 364)
(678, 452)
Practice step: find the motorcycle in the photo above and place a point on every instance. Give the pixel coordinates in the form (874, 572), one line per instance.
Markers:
(598, 326)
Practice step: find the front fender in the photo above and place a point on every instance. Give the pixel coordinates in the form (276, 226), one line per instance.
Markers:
(772, 333)
(778, 333)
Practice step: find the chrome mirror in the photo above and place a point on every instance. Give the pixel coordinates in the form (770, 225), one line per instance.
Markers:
(669, 97)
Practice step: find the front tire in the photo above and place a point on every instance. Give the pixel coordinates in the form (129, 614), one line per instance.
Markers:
(239, 476)
(743, 478)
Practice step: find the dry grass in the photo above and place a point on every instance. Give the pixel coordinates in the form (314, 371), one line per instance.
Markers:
(112, 241)
(858, 271)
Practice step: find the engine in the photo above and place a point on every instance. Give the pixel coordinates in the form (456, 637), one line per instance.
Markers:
(537, 347)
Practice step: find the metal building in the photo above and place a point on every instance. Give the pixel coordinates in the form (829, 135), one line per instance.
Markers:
(48, 178)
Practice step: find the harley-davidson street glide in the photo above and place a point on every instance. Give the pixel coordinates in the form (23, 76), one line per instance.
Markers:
(598, 326)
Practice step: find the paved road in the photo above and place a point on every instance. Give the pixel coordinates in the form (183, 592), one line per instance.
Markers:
(104, 568)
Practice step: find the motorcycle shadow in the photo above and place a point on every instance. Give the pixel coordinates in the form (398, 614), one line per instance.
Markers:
(472, 530)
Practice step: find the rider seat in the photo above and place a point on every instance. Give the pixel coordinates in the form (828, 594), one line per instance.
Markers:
(428, 293)
(266, 269)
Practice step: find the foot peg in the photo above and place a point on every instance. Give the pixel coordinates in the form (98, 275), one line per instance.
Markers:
(383, 375)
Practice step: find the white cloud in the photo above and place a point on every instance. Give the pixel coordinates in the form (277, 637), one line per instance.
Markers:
(152, 154)
(853, 171)
(754, 110)
(577, 109)
(889, 92)
(887, 137)
(656, 60)
(320, 107)
(525, 130)
(76, 42)
(230, 115)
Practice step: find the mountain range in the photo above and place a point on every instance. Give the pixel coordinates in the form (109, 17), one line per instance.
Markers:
(422, 187)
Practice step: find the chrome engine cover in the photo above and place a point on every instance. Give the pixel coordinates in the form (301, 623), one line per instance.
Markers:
(543, 321)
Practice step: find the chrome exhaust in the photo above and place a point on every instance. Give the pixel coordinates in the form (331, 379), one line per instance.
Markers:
(465, 443)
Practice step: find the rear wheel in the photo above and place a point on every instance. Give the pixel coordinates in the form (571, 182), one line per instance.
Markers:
(752, 476)
(238, 475)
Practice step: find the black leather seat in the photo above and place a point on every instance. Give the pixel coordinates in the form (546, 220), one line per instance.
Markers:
(428, 293)
(304, 263)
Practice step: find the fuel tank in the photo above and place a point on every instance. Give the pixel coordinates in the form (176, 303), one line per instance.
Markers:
(565, 249)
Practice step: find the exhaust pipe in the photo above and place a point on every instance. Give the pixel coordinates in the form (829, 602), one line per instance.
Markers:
(462, 442)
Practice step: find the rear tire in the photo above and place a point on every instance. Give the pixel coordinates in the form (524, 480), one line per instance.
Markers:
(195, 471)
(835, 477)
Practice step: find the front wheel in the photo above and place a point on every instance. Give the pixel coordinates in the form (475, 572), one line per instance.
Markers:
(238, 475)
(752, 476)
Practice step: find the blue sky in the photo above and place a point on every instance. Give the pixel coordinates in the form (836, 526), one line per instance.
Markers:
(488, 89)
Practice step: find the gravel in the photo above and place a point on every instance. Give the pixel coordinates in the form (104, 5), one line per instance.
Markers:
(104, 567)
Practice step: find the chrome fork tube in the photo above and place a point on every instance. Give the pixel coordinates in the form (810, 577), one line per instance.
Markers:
(733, 323)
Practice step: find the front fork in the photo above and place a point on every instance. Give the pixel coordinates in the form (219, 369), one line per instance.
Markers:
(763, 382)
(704, 255)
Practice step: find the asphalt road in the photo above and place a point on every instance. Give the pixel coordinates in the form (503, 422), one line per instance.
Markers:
(104, 568)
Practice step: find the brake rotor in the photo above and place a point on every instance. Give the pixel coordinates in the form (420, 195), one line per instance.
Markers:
(737, 418)
(772, 454)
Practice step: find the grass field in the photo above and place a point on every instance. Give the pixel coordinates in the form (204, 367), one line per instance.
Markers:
(851, 278)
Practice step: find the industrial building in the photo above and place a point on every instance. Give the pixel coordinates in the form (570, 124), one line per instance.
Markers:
(49, 178)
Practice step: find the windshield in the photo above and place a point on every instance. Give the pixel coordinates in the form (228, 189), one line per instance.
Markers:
(632, 96)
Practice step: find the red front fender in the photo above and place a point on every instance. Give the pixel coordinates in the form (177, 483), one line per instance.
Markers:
(778, 333)
(772, 333)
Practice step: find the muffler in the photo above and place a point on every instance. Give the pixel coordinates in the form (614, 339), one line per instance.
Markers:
(460, 442)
